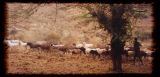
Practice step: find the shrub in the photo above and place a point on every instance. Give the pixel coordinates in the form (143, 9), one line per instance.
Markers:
(53, 36)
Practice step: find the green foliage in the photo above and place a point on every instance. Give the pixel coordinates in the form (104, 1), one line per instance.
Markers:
(126, 29)
(119, 25)
(140, 15)
(143, 35)
(86, 15)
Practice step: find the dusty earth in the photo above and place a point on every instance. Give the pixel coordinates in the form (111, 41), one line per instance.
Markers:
(21, 60)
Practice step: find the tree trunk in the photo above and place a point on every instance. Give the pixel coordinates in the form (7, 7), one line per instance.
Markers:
(116, 41)
(117, 29)
(116, 48)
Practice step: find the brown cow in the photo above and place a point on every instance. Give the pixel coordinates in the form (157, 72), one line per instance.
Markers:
(44, 46)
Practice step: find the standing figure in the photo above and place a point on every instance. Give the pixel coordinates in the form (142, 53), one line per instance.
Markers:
(137, 54)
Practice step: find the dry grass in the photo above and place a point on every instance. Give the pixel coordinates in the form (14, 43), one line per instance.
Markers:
(31, 61)
(72, 24)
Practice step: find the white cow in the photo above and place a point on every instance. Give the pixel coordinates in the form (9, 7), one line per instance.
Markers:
(87, 45)
(79, 45)
(23, 43)
(11, 43)
(57, 45)
(89, 49)
(60, 45)
(149, 52)
(41, 42)
(100, 51)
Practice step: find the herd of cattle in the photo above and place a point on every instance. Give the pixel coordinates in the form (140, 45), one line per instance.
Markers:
(75, 48)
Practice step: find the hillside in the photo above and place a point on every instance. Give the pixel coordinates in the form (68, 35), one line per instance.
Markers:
(73, 24)
(67, 23)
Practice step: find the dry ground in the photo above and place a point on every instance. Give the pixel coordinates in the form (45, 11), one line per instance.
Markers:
(31, 61)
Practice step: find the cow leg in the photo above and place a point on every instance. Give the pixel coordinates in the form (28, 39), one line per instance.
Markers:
(92, 55)
(124, 57)
(84, 52)
(134, 60)
(140, 59)
(64, 52)
(99, 56)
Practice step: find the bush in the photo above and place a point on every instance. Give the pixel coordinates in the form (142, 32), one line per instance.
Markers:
(53, 36)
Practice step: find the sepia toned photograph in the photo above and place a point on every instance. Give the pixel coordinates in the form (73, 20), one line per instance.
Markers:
(78, 38)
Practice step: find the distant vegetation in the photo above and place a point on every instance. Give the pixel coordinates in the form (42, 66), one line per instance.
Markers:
(67, 23)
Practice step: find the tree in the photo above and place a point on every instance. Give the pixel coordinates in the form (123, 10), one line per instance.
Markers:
(117, 25)
(117, 41)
